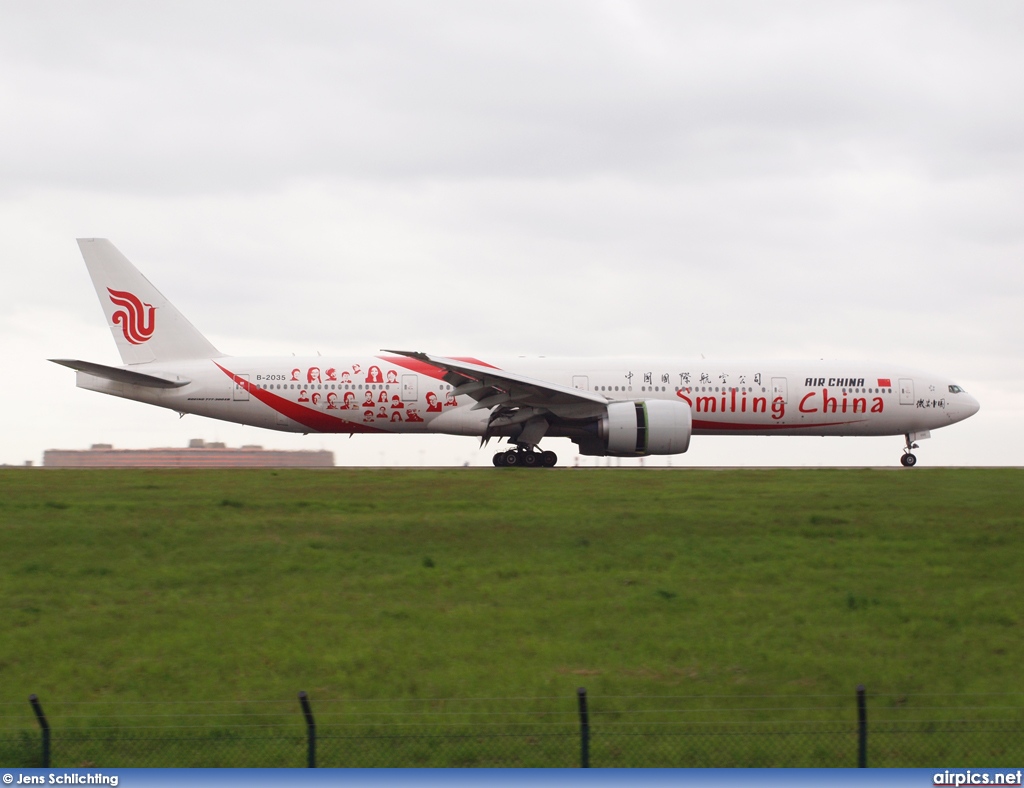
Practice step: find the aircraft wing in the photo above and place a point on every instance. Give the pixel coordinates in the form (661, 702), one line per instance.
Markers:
(490, 386)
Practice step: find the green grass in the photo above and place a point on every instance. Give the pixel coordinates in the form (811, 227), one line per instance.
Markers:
(408, 586)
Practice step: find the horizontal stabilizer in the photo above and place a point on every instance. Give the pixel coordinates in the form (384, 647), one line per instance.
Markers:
(157, 380)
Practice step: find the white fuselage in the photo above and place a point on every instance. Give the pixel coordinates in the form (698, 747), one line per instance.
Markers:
(628, 407)
(397, 394)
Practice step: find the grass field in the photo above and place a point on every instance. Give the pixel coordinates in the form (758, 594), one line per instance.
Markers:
(411, 585)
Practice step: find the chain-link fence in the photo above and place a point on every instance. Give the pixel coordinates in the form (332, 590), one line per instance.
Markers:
(605, 731)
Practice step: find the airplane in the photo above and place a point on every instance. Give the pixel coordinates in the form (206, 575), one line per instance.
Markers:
(628, 407)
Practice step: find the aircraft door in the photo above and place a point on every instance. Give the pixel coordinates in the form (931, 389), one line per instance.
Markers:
(906, 391)
(580, 382)
(240, 393)
(780, 389)
(410, 388)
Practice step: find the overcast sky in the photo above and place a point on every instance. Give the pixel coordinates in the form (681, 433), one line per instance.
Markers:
(733, 179)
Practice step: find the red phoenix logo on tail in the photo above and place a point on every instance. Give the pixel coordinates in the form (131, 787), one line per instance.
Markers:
(134, 317)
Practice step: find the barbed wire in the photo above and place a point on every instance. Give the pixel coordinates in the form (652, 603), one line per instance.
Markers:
(514, 712)
(1018, 725)
(489, 699)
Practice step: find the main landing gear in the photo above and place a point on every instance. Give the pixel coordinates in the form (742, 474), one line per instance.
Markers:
(525, 457)
(908, 460)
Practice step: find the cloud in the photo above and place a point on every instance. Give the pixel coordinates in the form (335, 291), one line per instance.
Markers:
(250, 96)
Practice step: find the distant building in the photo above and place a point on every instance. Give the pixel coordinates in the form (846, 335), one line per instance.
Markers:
(199, 454)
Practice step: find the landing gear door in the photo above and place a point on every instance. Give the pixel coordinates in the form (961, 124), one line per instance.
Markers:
(410, 388)
(780, 390)
(240, 393)
(906, 391)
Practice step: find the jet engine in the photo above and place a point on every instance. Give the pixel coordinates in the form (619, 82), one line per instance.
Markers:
(640, 428)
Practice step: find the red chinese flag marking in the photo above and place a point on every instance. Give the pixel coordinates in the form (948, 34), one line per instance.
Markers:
(884, 382)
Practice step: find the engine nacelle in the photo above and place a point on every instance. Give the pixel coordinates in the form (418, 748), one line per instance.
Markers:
(640, 428)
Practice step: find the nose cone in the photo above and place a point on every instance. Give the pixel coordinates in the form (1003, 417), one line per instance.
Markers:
(963, 407)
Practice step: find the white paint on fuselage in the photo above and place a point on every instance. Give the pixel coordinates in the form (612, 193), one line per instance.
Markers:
(745, 397)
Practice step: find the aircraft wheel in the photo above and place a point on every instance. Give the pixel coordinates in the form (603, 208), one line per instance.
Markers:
(530, 459)
(908, 460)
(548, 459)
(498, 460)
(511, 458)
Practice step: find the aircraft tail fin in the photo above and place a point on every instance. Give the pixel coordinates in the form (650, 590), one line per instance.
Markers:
(145, 325)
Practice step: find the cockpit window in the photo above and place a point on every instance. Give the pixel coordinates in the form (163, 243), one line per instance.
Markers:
(956, 390)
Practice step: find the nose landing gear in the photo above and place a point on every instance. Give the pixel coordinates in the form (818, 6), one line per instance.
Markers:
(909, 460)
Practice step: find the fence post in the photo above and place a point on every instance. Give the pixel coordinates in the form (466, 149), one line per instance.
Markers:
(862, 728)
(310, 730)
(581, 695)
(44, 725)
